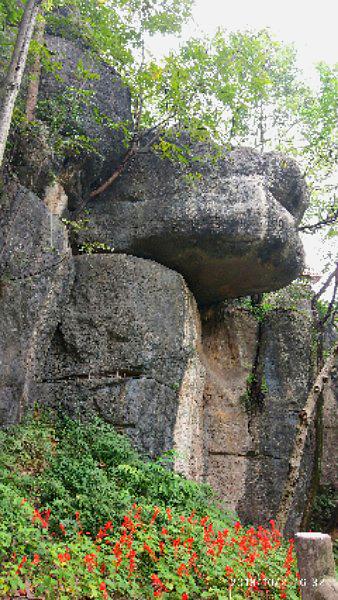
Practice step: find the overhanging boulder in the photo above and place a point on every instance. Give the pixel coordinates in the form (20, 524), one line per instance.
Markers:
(228, 226)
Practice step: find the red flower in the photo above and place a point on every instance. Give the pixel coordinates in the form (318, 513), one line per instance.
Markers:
(64, 557)
(117, 553)
(103, 589)
(103, 532)
(237, 526)
(63, 529)
(90, 562)
(36, 559)
(159, 587)
(23, 561)
(149, 550)
(185, 596)
(169, 515)
(182, 570)
(42, 517)
(132, 565)
(155, 514)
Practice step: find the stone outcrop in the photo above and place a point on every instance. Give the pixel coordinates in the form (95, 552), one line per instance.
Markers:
(129, 348)
(255, 391)
(126, 348)
(228, 226)
(123, 340)
(94, 101)
(35, 272)
(119, 335)
(329, 475)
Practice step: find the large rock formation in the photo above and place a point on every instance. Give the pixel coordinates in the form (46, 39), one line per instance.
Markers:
(119, 335)
(229, 229)
(126, 348)
(329, 475)
(255, 391)
(87, 98)
(35, 272)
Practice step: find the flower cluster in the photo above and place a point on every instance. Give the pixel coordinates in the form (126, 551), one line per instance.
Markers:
(153, 553)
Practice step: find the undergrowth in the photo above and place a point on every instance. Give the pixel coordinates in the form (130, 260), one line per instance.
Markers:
(83, 515)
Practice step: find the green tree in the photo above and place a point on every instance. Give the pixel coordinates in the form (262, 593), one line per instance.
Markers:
(16, 69)
(238, 89)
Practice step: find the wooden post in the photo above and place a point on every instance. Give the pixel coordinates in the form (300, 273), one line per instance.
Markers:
(316, 566)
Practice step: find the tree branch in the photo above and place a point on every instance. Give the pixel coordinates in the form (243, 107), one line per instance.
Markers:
(332, 301)
(330, 220)
(325, 285)
(134, 148)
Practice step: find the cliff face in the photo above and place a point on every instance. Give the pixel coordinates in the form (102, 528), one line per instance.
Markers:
(36, 274)
(121, 334)
(258, 377)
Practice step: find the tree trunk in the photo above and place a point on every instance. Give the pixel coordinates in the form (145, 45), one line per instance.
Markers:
(33, 87)
(16, 70)
(306, 418)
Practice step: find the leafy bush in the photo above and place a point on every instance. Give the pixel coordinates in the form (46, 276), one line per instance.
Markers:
(68, 467)
(324, 509)
(97, 525)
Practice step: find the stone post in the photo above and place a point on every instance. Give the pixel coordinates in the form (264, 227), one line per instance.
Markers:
(316, 566)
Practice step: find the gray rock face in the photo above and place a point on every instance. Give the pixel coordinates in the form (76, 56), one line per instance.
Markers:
(126, 349)
(248, 440)
(230, 232)
(35, 271)
(95, 102)
(329, 475)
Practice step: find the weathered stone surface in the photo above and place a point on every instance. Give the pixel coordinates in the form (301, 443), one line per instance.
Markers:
(316, 566)
(282, 175)
(230, 231)
(104, 104)
(35, 271)
(328, 589)
(249, 438)
(126, 349)
(33, 157)
(329, 473)
(229, 346)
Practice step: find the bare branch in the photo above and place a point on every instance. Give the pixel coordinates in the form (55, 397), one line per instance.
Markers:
(132, 150)
(330, 220)
(332, 301)
(325, 285)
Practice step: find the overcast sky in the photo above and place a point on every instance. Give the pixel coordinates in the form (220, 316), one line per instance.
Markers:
(310, 25)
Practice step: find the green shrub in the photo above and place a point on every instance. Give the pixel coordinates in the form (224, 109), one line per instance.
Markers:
(83, 515)
(72, 467)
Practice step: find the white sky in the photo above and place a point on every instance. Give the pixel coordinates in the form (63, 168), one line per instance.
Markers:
(311, 25)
